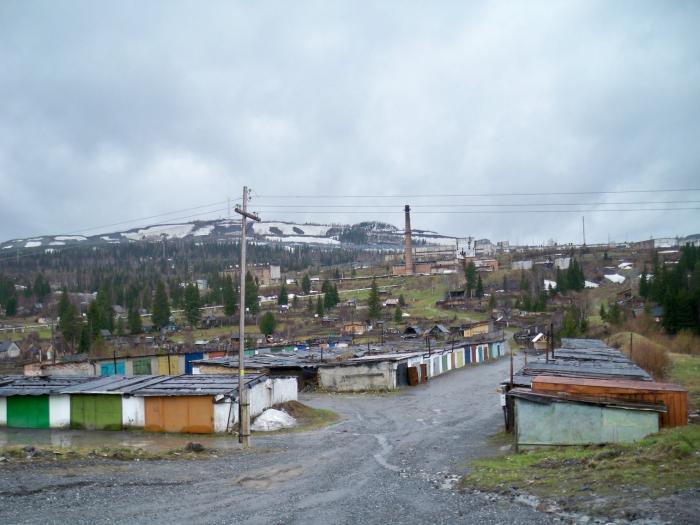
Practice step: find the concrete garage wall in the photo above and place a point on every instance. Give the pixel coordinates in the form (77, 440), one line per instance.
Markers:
(283, 389)
(133, 412)
(580, 424)
(3, 412)
(59, 411)
(359, 377)
(225, 415)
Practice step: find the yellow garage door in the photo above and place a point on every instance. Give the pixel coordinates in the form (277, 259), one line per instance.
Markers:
(169, 365)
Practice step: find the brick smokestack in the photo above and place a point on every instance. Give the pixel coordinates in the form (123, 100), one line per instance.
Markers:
(408, 255)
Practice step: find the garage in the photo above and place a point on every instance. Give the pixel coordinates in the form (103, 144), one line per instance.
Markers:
(96, 411)
(28, 411)
(191, 414)
(36, 402)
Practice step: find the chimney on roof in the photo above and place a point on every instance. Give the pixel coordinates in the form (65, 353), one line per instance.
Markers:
(408, 248)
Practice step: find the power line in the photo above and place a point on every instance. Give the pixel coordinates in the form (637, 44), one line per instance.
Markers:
(454, 195)
(386, 212)
(472, 205)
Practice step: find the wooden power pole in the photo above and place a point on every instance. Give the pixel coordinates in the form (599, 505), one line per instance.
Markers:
(243, 401)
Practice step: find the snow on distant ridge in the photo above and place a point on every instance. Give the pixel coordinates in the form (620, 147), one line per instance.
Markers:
(70, 238)
(307, 239)
(266, 228)
(32, 244)
(57, 243)
(204, 230)
(171, 231)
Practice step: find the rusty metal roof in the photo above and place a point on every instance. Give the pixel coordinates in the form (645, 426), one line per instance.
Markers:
(548, 398)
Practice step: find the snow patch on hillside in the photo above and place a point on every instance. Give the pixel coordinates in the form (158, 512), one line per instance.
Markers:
(266, 228)
(204, 230)
(32, 244)
(57, 243)
(70, 238)
(171, 231)
(303, 239)
(615, 278)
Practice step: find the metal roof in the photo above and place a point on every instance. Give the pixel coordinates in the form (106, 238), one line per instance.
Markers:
(115, 385)
(549, 398)
(198, 385)
(589, 358)
(37, 385)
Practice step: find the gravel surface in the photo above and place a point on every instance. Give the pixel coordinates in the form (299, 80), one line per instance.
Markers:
(393, 458)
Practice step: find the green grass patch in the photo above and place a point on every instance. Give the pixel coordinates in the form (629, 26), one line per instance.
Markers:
(658, 465)
(685, 370)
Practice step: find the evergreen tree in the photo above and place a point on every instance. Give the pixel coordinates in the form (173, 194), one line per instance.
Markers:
(229, 296)
(267, 323)
(283, 297)
(603, 312)
(192, 313)
(251, 294)
(319, 306)
(306, 284)
(398, 315)
(120, 327)
(70, 323)
(402, 300)
(524, 282)
(84, 345)
(373, 303)
(643, 284)
(470, 275)
(295, 301)
(160, 316)
(492, 301)
(562, 282)
(93, 318)
(479, 288)
(41, 288)
(134, 321)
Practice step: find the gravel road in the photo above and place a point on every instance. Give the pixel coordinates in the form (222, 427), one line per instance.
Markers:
(392, 459)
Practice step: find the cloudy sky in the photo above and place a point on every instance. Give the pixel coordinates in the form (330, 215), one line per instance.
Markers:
(113, 111)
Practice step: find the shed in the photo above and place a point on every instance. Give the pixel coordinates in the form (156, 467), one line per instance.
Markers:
(561, 419)
(673, 397)
(35, 402)
(372, 372)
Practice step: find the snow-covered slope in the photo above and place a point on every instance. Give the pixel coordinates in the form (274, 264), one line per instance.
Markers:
(365, 234)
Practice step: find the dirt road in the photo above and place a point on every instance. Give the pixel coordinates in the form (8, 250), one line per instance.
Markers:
(392, 459)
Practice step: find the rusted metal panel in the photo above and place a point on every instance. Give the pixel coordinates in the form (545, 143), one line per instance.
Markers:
(413, 379)
(424, 372)
(673, 397)
(192, 414)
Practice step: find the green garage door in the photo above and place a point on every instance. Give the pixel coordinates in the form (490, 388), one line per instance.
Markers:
(96, 412)
(142, 367)
(28, 411)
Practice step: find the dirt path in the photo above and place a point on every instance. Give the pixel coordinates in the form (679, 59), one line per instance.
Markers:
(392, 459)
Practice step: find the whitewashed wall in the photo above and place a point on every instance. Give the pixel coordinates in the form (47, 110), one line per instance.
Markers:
(3, 412)
(225, 415)
(282, 389)
(59, 411)
(259, 398)
(133, 412)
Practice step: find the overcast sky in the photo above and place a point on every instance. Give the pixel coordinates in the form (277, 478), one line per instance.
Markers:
(112, 111)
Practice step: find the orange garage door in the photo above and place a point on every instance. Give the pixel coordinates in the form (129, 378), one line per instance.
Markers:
(193, 414)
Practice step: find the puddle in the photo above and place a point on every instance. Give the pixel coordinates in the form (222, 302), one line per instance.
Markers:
(95, 439)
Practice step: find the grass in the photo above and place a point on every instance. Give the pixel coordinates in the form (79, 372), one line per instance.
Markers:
(659, 465)
(57, 453)
(308, 418)
(685, 370)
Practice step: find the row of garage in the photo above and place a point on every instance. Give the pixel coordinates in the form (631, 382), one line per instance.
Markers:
(185, 403)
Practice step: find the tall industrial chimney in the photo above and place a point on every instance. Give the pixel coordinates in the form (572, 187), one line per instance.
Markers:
(408, 255)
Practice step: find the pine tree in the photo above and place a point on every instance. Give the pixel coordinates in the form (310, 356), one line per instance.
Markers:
(603, 313)
(470, 275)
(319, 306)
(479, 288)
(192, 313)
(643, 284)
(524, 282)
(229, 296)
(267, 323)
(306, 284)
(402, 300)
(134, 321)
(398, 315)
(373, 303)
(251, 294)
(160, 316)
(283, 297)
(84, 345)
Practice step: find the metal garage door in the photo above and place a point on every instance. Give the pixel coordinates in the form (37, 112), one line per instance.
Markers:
(193, 414)
(194, 356)
(96, 411)
(109, 369)
(402, 374)
(28, 411)
(169, 365)
(142, 366)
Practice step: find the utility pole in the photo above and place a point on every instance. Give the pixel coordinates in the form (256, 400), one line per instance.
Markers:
(583, 225)
(243, 402)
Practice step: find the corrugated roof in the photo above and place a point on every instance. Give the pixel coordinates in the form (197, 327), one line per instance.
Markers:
(589, 358)
(115, 385)
(37, 385)
(197, 385)
(643, 386)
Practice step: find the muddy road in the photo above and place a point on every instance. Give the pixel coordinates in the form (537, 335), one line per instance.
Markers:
(392, 459)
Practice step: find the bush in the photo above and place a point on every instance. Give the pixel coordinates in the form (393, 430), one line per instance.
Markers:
(651, 357)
